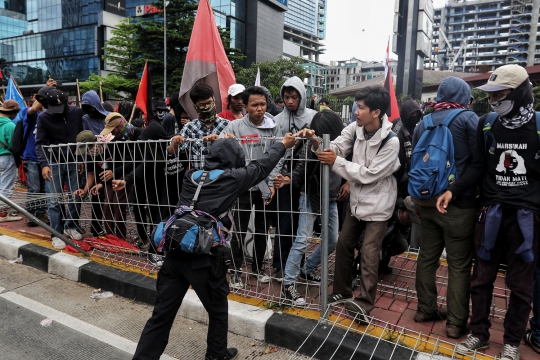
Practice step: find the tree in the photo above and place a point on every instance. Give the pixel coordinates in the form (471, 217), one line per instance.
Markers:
(140, 40)
(273, 73)
(113, 85)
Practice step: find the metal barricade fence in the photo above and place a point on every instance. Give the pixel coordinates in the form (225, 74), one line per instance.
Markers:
(266, 232)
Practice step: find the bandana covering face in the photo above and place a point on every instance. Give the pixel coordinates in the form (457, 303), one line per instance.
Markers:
(161, 114)
(207, 113)
(126, 130)
(516, 108)
(98, 149)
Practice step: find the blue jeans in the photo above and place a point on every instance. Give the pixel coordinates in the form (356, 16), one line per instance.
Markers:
(36, 184)
(8, 175)
(63, 174)
(303, 236)
(535, 321)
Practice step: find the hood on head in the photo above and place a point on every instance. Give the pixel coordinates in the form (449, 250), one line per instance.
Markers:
(454, 89)
(407, 108)
(225, 154)
(298, 84)
(92, 98)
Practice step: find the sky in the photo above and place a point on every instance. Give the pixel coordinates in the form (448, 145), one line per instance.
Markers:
(360, 29)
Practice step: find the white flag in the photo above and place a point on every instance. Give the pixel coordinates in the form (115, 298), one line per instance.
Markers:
(258, 78)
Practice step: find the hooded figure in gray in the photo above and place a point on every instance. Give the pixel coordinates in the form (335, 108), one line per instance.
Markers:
(94, 119)
(293, 121)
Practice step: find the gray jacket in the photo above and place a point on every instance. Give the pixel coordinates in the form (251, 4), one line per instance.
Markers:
(250, 141)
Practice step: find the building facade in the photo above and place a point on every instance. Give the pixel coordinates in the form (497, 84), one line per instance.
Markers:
(305, 28)
(480, 35)
(348, 72)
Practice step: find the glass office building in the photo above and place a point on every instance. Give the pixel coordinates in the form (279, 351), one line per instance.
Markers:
(57, 38)
(305, 28)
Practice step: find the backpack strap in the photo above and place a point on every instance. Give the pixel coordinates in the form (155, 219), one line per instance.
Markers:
(448, 119)
(390, 135)
(489, 120)
(199, 187)
(537, 156)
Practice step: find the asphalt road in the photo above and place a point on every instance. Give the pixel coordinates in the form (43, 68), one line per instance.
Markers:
(84, 328)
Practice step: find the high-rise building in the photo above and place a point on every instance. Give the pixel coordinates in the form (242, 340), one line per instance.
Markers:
(472, 34)
(57, 38)
(305, 28)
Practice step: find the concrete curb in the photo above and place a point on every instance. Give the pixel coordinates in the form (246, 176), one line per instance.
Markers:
(246, 320)
(285, 330)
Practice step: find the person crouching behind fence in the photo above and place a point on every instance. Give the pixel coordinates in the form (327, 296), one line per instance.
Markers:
(306, 176)
(373, 194)
(182, 269)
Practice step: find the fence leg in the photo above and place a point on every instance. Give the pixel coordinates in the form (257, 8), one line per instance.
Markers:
(42, 224)
(324, 231)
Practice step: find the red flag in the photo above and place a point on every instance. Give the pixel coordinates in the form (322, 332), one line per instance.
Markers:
(393, 110)
(144, 95)
(1, 75)
(206, 61)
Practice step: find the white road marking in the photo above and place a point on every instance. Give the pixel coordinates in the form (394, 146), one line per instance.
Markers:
(85, 328)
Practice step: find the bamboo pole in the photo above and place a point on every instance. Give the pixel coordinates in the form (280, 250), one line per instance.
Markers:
(132, 112)
(100, 92)
(16, 86)
(78, 94)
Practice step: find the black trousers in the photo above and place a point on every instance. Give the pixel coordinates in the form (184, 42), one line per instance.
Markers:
(179, 271)
(287, 225)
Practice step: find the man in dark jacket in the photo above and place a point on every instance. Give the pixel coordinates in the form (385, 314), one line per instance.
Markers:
(60, 124)
(507, 167)
(182, 269)
(455, 231)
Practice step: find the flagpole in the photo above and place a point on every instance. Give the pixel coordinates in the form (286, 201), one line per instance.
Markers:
(100, 92)
(164, 49)
(132, 112)
(16, 86)
(78, 94)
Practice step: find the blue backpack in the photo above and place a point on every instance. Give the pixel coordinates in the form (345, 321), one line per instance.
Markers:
(193, 231)
(433, 166)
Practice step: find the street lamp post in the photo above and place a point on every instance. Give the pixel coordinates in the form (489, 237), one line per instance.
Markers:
(164, 49)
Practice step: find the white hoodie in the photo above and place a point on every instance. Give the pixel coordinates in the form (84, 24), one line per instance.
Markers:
(373, 187)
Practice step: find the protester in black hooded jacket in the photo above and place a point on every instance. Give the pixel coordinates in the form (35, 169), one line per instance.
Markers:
(182, 269)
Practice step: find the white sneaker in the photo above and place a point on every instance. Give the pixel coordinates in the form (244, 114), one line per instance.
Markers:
(236, 282)
(10, 218)
(58, 244)
(509, 352)
(73, 233)
(262, 277)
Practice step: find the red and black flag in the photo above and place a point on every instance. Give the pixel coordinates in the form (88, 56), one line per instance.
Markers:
(144, 95)
(393, 110)
(206, 61)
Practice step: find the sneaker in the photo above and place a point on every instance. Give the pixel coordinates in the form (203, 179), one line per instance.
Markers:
(335, 298)
(278, 275)
(359, 314)
(155, 259)
(311, 277)
(529, 340)
(292, 294)
(58, 244)
(509, 352)
(455, 331)
(73, 233)
(262, 277)
(230, 354)
(10, 218)
(421, 315)
(30, 222)
(44, 218)
(235, 282)
(472, 344)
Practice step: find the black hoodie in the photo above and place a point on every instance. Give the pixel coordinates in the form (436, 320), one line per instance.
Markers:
(226, 154)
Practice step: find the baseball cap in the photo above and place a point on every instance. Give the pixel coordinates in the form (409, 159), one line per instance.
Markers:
(505, 77)
(111, 121)
(56, 101)
(10, 106)
(236, 89)
(85, 136)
